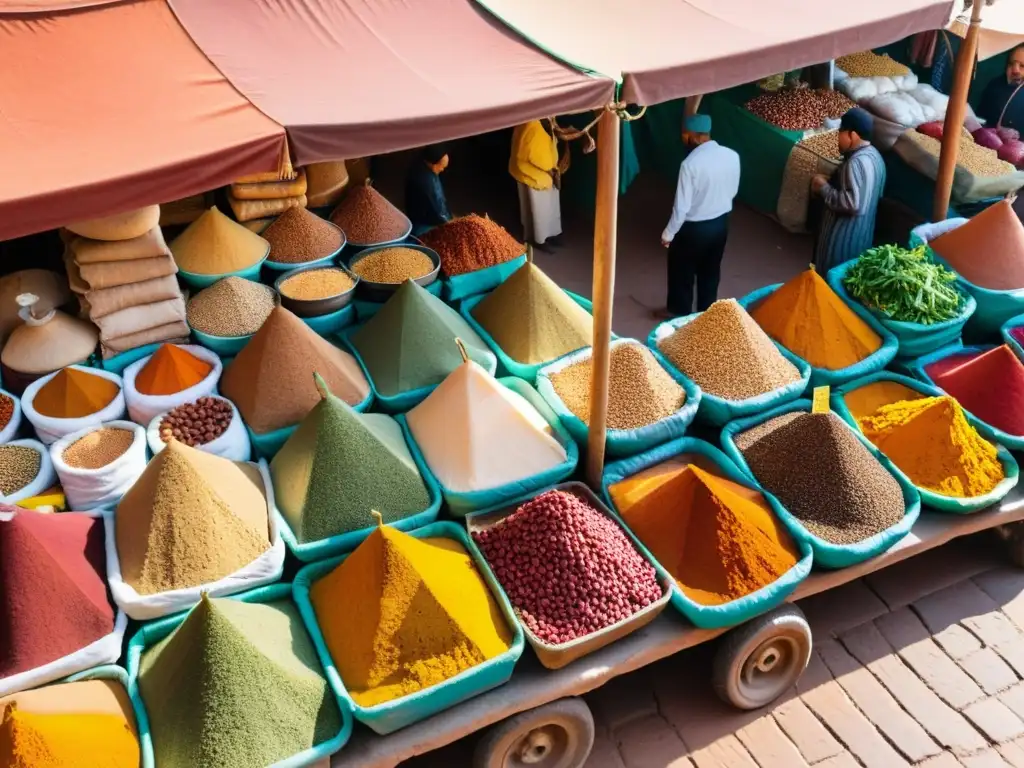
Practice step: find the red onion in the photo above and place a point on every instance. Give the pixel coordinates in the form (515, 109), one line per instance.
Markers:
(987, 137)
(933, 129)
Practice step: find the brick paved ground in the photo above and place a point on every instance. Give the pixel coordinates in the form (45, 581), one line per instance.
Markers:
(922, 664)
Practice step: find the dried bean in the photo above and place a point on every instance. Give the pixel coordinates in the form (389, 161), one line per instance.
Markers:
(197, 423)
(230, 307)
(979, 160)
(367, 217)
(19, 466)
(317, 284)
(470, 243)
(298, 236)
(871, 64)
(799, 109)
(393, 265)
(99, 448)
(824, 145)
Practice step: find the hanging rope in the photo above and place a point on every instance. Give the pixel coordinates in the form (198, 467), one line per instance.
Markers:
(568, 135)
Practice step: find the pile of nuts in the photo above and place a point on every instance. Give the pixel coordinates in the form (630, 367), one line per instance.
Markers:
(870, 64)
(367, 217)
(568, 569)
(824, 145)
(979, 160)
(19, 466)
(197, 423)
(799, 109)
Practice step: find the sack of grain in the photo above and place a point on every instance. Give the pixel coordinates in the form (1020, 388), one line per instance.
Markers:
(100, 469)
(270, 190)
(119, 226)
(246, 210)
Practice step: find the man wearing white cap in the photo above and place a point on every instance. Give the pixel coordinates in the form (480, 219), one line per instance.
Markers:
(709, 179)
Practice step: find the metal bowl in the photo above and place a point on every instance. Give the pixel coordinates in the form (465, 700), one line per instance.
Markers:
(326, 260)
(379, 292)
(316, 307)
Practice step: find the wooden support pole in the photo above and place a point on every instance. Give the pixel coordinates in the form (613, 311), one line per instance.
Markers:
(691, 105)
(605, 233)
(955, 113)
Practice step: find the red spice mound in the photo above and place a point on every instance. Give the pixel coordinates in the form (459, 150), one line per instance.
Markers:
(939, 367)
(470, 243)
(53, 590)
(990, 386)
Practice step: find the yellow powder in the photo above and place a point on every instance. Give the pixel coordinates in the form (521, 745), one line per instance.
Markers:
(865, 400)
(214, 244)
(30, 740)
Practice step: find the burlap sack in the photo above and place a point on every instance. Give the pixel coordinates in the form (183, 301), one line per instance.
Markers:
(107, 301)
(326, 182)
(120, 226)
(172, 333)
(131, 320)
(270, 190)
(109, 274)
(147, 246)
(247, 210)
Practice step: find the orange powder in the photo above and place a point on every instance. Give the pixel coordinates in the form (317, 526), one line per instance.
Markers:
(171, 370)
(807, 317)
(865, 400)
(988, 250)
(74, 393)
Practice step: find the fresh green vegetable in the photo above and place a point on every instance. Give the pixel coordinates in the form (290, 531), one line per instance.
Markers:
(905, 285)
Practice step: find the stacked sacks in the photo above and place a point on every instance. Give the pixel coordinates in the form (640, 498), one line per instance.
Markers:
(325, 183)
(214, 245)
(125, 280)
(261, 195)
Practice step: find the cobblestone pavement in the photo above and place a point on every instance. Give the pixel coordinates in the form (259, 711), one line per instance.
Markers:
(920, 664)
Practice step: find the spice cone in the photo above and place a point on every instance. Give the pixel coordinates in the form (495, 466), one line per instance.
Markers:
(74, 393)
(32, 739)
(988, 250)
(170, 370)
(213, 244)
(990, 386)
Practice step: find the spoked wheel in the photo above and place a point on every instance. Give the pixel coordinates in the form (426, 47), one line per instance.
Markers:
(556, 735)
(1013, 536)
(759, 661)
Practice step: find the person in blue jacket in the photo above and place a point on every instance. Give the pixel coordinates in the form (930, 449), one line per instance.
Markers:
(425, 201)
(1003, 93)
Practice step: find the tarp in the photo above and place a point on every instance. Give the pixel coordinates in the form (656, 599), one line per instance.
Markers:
(1002, 26)
(666, 49)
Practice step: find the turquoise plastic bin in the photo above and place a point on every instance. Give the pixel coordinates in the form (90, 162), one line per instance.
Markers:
(119, 362)
(311, 551)
(196, 280)
(277, 268)
(876, 361)
(267, 444)
(367, 309)
(931, 499)
(622, 442)
(826, 553)
(717, 411)
(735, 611)
(393, 715)
(462, 503)
(480, 281)
(153, 632)
(225, 346)
(332, 322)
(102, 672)
(1012, 343)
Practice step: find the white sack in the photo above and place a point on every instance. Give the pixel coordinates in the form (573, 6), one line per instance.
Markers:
(94, 488)
(49, 429)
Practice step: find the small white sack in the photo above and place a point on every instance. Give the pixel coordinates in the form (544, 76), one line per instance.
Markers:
(106, 650)
(50, 429)
(94, 488)
(142, 408)
(44, 479)
(265, 569)
(232, 444)
(11, 428)
(933, 230)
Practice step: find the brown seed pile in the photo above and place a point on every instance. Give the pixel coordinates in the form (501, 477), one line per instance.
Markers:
(871, 64)
(19, 466)
(316, 284)
(369, 218)
(470, 243)
(640, 391)
(725, 351)
(298, 236)
(197, 423)
(823, 144)
(825, 477)
(6, 410)
(979, 160)
(230, 307)
(799, 109)
(99, 448)
(393, 265)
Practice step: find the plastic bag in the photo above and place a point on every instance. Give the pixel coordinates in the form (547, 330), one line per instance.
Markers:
(10, 429)
(87, 489)
(106, 650)
(142, 408)
(44, 479)
(265, 569)
(735, 611)
(50, 429)
(232, 444)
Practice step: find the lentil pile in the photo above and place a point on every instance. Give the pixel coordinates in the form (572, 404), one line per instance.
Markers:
(824, 144)
(824, 476)
(241, 662)
(392, 265)
(6, 410)
(568, 569)
(98, 448)
(298, 236)
(402, 614)
(197, 423)
(996, 233)
(799, 109)
(728, 354)
(19, 466)
(979, 160)
(472, 242)
(640, 391)
(316, 284)
(990, 386)
(367, 217)
(871, 64)
(230, 307)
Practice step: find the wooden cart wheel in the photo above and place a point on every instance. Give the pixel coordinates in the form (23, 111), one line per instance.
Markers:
(759, 661)
(1013, 535)
(556, 735)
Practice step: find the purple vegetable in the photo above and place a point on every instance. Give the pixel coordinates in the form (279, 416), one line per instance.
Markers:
(1007, 134)
(987, 137)
(1012, 152)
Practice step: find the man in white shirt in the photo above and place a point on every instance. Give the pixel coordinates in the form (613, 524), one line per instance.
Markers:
(709, 179)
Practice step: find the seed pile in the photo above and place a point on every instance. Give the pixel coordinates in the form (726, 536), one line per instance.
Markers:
(472, 242)
(640, 391)
(799, 109)
(393, 265)
(871, 64)
(568, 569)
(532, 320)
(316, 284)
(98, 448)
(368, 218)
(997, 233)
(990, 386)
(728, 354)
(979, 160)
(824, 144)
(230, 307)
(241, 661)
(197, 423)
(298, 236)
(213, 244)
(824, 476)
(19, 466)
(6, 410)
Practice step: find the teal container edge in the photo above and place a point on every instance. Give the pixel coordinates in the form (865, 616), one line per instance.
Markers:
(225, 346)
(717, 411)
(367, 309)
(122, 360)
(1014, 322)
(333, 322)
(153, 631)
(622, 442)
(828, 554)
(390, 716)
(876, 361)
(931, 499)
(195, 280)
(102, 672)
(479, 281)
(994, 307)
(462, 503)
(281, 267)
(735, 611)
